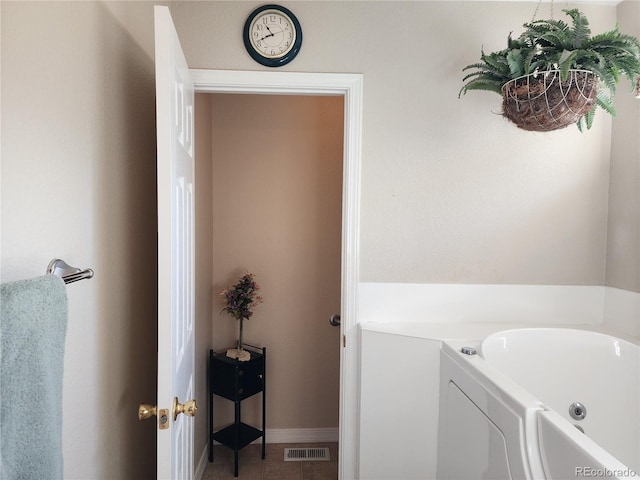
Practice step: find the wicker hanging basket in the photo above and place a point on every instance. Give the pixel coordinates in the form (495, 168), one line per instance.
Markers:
(543, 102)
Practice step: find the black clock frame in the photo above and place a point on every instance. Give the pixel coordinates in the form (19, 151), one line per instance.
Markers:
(272, 62)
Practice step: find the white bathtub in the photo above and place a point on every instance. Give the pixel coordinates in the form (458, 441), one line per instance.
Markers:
(504, 413)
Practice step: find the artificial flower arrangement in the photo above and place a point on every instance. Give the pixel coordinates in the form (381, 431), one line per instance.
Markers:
(239, 301)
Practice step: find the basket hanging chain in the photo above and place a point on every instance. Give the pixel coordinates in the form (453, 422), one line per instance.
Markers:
(535, 14)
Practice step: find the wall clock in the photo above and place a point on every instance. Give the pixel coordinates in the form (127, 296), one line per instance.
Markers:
(272, 35)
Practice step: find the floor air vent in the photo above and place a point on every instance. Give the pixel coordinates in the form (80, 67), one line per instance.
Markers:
(306, 454)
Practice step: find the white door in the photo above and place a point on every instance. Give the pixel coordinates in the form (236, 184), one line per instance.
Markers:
(174, 111)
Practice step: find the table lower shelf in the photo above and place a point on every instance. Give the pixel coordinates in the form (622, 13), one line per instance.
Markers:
(237, 437)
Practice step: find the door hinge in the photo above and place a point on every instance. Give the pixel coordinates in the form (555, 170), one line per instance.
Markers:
(344, 340)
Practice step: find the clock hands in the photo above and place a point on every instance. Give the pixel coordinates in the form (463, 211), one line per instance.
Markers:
(271, 34)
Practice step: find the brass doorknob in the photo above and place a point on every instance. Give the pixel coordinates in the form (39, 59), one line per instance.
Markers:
(147, 411)
(189, 408)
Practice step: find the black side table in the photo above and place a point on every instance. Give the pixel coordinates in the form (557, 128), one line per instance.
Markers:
(235, 380)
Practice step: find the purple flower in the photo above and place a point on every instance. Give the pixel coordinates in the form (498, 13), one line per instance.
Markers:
(241, 298)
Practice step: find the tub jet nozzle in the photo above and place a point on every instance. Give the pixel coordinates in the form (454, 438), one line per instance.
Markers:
(577, 411)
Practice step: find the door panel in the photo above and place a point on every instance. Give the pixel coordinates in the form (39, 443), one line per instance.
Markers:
(174, 110)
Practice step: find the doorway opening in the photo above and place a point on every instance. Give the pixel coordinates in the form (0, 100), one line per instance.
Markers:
(276, 191)
(349, 87)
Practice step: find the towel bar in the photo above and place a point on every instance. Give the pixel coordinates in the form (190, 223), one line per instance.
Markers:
(69, 274)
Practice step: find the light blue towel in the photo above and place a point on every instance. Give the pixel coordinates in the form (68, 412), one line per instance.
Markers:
(33, 325)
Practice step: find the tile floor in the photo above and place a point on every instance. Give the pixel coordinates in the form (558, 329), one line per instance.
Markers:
(273, 467)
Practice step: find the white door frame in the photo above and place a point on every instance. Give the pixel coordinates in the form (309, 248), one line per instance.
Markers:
(351, 87)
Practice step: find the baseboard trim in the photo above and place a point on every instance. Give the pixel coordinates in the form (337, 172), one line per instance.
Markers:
(302, 435)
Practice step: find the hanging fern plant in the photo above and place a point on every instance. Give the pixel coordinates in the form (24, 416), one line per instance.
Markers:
(555, 74)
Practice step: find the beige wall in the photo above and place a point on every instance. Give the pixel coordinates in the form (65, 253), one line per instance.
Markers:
(78, 182)
(277, 182)
(623, 242)
(451, 192)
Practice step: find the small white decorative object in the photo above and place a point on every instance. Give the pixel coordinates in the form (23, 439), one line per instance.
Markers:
(240, 355)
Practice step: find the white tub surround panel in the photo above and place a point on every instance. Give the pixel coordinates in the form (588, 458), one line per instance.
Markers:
(622, 311)
(442, 303)
(398, 407)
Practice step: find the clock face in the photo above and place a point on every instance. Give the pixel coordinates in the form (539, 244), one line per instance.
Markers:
(272, 35)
